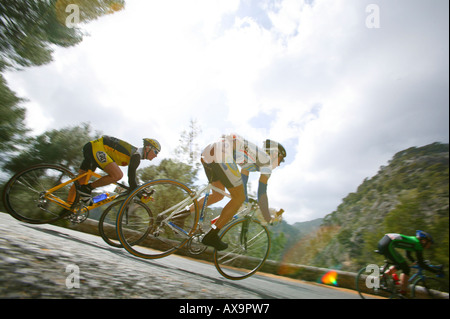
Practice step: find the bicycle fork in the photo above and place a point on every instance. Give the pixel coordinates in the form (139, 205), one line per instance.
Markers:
(244, 231)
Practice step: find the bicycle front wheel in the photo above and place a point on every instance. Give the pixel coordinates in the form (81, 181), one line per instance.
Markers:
(172, 227)
(429, 287)
(248, 247)
(27, 198)
(141, 216)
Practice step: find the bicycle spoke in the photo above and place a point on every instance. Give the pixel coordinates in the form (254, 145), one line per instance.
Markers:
(26, 194)
(248, 247)
(137, 221)
(169, 232)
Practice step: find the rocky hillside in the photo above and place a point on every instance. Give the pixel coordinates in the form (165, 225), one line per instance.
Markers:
(411, 192)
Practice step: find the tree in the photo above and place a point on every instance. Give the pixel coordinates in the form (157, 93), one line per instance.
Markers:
(56, 146)
(12, 126)
(28, 29)
(188, 151)
(170, 169)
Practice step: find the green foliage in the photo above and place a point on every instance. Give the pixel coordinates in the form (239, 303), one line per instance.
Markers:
(28, 29)
(12, 125)
(56, 146)
(278, 243)
(184, 168)
(188, 151)
(169, 169)
(410, 193)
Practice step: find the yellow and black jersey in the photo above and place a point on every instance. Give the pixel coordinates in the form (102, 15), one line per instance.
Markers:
(105, 150)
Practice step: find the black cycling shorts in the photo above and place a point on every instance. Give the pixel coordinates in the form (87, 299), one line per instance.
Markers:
(227, 174)
(386, 248)
(89, 162)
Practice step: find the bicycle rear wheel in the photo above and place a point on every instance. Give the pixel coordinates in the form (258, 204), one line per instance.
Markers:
(248, 247)
(370, 284)
(367, 285)
(170, 230)
(141, 216)
(26, 194)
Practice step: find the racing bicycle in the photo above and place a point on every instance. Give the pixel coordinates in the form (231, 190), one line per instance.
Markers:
(46, 193)
(180, 222)
(374, 281)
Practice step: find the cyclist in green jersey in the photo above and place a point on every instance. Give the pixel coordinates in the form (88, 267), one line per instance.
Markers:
(390, 242)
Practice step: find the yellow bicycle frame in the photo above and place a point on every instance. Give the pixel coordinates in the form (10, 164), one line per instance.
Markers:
(66, 204)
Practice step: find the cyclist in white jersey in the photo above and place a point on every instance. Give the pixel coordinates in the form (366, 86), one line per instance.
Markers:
(221, 160)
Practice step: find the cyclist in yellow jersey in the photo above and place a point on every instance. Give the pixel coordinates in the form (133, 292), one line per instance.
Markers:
(108, 153)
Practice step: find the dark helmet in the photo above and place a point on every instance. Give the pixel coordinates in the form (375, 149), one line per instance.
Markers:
(270, 146)
(424, 235)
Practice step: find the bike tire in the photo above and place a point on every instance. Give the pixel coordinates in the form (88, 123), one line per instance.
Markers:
(246, 253)
(369, 286)
(24, 194)
(107, 224)
(433, 287)
(361, 284)
(166, 235)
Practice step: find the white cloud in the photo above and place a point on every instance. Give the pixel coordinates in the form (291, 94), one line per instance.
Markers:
(341, 97)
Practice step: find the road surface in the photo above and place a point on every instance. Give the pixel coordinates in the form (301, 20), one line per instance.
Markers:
(45, 261)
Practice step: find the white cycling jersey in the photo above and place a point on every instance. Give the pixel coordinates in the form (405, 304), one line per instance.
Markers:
(233, 148)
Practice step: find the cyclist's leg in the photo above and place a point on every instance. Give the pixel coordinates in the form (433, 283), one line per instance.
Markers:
(214, 180)
(385, 248)
(212, 199)
(114, 175)
(212, 237)
(88, 163)
(226, 175)
(237, 199)
(404, 277)
(229, 176)
(215, 196)
(399, 263)
(106, 163)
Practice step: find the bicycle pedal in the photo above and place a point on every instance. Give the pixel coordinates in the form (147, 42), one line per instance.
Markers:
(87, 201)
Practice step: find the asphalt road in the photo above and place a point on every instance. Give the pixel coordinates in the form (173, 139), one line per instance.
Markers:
(45, 261)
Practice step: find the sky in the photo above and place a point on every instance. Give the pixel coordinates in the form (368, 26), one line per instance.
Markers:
(342, 84)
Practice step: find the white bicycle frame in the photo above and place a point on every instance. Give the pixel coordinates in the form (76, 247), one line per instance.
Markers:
(184, 205)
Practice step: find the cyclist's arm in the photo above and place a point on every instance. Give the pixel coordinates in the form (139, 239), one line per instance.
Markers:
(410, 257)
(263, 200)
(423, 265)
(244, 176)
(135, 160)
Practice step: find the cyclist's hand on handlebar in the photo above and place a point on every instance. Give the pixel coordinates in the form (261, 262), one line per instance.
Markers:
(279, 213)
(441, 273)
(277, 218)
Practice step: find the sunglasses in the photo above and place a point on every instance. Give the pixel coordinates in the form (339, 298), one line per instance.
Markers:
(154, 150)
